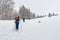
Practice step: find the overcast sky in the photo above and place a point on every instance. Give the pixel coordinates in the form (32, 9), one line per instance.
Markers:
(39, 6)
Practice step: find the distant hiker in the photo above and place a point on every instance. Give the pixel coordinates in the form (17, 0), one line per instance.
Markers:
(29, 17)
(23, 19)
(17, 22)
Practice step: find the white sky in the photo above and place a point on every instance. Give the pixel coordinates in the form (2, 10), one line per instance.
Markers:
(39, 6)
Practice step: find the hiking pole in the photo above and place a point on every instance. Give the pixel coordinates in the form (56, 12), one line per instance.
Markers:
(21, 32)
(21, 25)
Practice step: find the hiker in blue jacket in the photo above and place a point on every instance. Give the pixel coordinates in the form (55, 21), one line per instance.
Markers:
(17, 22)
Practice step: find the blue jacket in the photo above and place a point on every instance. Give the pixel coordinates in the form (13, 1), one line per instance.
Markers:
(17, 23)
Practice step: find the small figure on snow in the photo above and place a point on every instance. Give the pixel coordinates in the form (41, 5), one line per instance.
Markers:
(39, 22)
(17, 22)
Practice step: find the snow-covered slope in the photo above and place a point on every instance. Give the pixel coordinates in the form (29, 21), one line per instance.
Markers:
(8, 32)
(47, 29)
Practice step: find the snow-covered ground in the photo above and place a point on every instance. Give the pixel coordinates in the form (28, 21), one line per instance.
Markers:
(47, 29)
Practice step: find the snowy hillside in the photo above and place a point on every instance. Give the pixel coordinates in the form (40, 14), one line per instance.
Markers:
(47, 29)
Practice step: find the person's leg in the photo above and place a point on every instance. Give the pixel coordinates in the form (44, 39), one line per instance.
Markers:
(16, 28)
(17, 25)
(23, 20)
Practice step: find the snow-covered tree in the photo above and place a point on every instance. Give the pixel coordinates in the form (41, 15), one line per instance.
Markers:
(6, 9)
(24, 12)
(49, 15)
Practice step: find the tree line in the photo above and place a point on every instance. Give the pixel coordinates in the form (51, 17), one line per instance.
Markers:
(7, 11)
